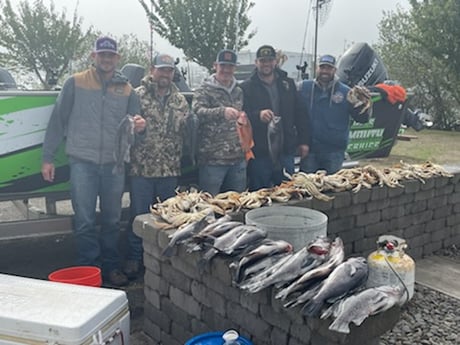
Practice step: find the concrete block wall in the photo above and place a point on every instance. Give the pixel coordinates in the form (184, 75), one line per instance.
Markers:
(181, 302)
(426, 215)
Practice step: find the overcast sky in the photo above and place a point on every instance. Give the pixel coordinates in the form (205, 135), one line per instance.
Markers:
(280, 23)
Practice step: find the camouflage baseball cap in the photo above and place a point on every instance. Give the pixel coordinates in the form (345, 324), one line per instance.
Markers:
(163, 60)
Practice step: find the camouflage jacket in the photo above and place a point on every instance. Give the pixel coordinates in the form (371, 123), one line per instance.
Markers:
(218, 141)
(159, 154)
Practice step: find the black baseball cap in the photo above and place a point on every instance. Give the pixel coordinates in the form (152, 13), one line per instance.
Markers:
(266, 52)
(226, 56)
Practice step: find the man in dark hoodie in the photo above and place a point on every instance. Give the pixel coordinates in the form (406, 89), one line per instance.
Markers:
(88, 113)
(325, 98)
(270, 94)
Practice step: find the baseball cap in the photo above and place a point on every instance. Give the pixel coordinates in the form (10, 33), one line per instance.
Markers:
(105, 44)
(327, 60)
(163, 60)
(226, 56)
(266, 51)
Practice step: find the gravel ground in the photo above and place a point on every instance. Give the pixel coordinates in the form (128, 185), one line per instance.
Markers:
(430, 318)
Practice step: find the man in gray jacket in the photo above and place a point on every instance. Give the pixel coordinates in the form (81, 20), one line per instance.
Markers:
(88, 112)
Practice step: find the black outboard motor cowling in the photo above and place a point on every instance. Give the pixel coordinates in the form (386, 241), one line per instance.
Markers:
(7, 81)
(361, 65)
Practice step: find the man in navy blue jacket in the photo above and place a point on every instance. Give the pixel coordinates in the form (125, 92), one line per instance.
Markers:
(325, 99)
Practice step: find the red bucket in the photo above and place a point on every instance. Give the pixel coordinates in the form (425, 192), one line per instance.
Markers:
(80, 275)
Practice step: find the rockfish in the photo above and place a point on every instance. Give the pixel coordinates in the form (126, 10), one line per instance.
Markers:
(358, 307)
(275, 139)
(184, 233)
(335, 257)
(344, 279)
(270, 247)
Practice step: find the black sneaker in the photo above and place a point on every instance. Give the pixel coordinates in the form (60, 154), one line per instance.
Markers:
(133, 269)
(117, 278)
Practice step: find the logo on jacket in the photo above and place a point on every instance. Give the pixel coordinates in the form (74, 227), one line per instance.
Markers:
(119, 90)
(337, 97)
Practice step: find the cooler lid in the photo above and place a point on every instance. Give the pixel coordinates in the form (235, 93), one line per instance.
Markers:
(43, 310)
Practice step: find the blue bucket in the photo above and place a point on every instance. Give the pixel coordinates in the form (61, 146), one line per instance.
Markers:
(213, 338)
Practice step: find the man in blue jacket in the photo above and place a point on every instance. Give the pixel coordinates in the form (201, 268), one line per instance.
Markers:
(325, 99)
(88, 113)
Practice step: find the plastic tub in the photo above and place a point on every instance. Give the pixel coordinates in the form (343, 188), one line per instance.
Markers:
(296, 225)
(214, 338)
(80, 275)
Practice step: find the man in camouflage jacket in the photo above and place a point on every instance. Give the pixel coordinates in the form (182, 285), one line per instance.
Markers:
(218, 103)
(155, 162)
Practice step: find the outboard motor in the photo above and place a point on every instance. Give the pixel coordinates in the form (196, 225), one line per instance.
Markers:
(417, 119)
(7, 81)
(134, 73)
(361, 65)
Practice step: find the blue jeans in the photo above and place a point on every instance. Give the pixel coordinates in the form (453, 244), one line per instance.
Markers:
(263, 174)
(88, 181)
(217, 179)
(144, 192)
(331, 162)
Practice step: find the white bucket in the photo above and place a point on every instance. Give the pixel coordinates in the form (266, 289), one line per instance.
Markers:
(296, 225)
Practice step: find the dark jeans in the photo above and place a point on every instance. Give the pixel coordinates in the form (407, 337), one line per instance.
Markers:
(143, 193)
(88, 181)
(217, 179)
(331, 162)
(263, 174)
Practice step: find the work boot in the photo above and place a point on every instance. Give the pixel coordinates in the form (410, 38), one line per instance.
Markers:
(117, 278)
(133, 269)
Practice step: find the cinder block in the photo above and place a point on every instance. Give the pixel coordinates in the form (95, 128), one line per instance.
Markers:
(152, 330)
(275, 319)
(260, 329)
(379, 193)
(278, 336)
(454, 198)
(299, 331)
(393, 212)
(340, 225)
(352, 210)
(152, 296)
(363, 196)
(446, 190)
(376, 229)
(157, 317)
(185, 301)
(168, 338)
(453, 220)
(208, 297)
(180, 333)
(429, 184)
(174, 313)
(424, 195)
(411, 186)
(341, 200)
(437, 201)
(368, 218)
(377, 205)
(442, 212)
(176, 278)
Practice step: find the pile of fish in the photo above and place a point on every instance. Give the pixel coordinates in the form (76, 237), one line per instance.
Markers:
(191, 206)
(317, 277)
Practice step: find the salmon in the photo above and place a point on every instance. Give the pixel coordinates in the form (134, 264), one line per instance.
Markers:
(243, 126)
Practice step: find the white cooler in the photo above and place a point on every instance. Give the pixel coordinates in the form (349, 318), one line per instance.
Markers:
(37, 312)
